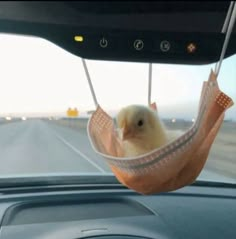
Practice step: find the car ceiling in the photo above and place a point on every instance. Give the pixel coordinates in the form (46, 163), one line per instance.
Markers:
(138, 31)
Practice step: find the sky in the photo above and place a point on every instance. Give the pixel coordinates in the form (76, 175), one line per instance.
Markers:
(39, 78)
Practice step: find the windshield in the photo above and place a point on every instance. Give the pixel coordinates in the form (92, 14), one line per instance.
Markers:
(45, 103)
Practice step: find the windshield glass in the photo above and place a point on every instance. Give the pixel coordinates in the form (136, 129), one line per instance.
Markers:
(45, 103)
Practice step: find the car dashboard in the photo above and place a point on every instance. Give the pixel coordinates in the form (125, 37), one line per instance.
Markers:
(114, 213)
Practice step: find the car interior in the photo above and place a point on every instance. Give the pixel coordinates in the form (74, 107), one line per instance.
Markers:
(100, 206)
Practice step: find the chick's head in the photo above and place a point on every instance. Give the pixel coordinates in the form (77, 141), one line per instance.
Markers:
(136, 122)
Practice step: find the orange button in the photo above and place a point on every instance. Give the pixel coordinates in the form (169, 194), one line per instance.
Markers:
(191, 48)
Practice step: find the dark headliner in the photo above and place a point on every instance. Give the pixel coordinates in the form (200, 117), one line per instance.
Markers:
(179, 22)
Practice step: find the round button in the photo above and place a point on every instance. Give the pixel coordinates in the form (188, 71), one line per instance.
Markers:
(138, 44)
(165, 46)
(103, 42)
(191, 48)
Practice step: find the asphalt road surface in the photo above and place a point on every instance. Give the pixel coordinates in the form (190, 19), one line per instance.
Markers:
(34, 146)
(39, 147)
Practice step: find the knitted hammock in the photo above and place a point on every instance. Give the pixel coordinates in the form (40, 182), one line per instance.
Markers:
(176, 164)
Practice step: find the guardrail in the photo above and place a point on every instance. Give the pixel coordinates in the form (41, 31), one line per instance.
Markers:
(4, 121)
(74, 123)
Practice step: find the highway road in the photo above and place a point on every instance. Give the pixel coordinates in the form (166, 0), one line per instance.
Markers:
(39, 147)
(34, 146)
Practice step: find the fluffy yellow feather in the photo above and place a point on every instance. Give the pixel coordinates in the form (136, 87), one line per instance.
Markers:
(141, 130)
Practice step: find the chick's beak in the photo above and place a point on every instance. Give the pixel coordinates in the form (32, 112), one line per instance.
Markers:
(127, 133)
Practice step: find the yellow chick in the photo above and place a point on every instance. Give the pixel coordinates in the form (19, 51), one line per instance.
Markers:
(141, 130)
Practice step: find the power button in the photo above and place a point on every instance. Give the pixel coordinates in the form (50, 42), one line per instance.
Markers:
(103, 42)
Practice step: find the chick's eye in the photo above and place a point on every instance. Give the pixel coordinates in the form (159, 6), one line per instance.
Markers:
(140, 123)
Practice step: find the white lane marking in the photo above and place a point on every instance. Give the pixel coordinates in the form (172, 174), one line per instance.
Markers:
(80, 153)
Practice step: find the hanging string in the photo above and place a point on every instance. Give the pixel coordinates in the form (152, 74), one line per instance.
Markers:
(227, 37)
(149, 83)
(90, 82)
(226, 23)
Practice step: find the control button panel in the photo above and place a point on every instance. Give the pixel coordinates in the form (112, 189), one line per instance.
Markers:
(160, 47)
